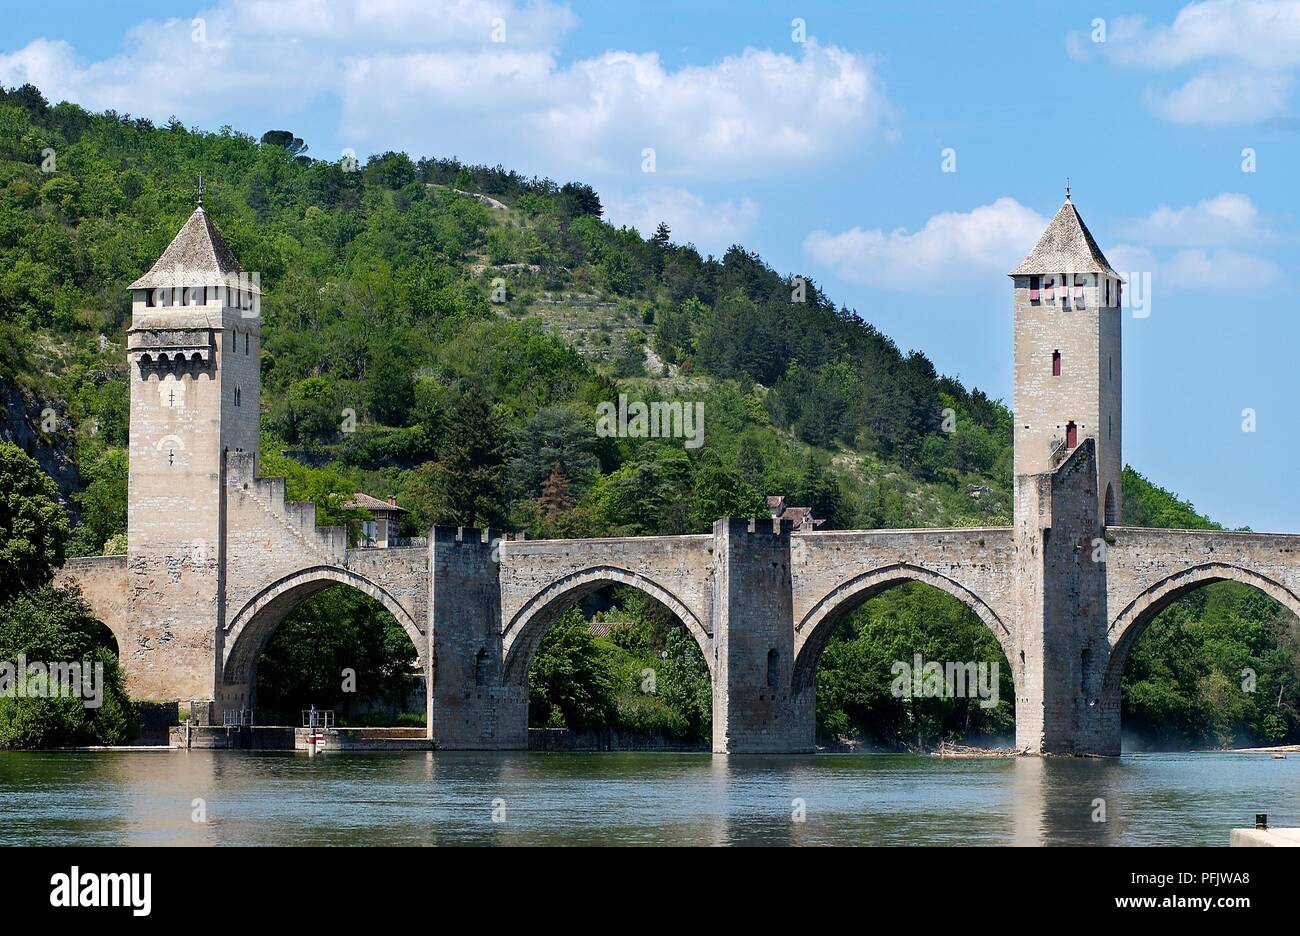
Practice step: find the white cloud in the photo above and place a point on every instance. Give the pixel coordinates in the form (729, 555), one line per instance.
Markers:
(1246, 51)
(943, 257)
(744, 115)
(426, 75)
(1217, 269)
(1227, 218)
(1195, 268)
(710, 226)
(1208, 235)
(1260, 33)
(1221, 97)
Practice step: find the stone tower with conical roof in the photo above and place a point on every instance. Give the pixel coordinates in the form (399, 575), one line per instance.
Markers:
(1068, 363)
(193, 352)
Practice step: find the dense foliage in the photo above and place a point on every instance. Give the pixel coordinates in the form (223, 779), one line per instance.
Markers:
(647, 675)
(444, 332)
(339, 650)
(43, 625)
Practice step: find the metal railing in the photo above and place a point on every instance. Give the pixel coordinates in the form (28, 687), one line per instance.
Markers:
(236, 718)
(318, 718)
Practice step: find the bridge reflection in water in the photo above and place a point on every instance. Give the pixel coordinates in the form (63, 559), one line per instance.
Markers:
(439, 798)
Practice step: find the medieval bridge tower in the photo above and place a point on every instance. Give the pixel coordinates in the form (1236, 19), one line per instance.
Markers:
(217, 555)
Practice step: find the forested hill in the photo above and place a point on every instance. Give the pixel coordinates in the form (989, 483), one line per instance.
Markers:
(380, 285)
(445, 332)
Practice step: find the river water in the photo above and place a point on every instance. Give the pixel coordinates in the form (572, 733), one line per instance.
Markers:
(441, 798)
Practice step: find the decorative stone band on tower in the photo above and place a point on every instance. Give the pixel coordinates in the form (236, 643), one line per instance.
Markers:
(217, 557)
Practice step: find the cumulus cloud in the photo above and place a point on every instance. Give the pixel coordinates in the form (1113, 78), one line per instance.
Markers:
(942, 257)
(1204, 244)
(435, 76)
(1195, 268)
(1222, 97)
(1245, 53)
(710, 226)
(1227, 218)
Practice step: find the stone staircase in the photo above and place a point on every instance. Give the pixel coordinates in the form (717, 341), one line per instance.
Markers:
(329, 542)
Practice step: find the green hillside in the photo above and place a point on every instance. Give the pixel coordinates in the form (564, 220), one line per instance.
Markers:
(445, 333)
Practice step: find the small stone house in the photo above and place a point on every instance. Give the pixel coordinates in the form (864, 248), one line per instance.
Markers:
(802, 517)
(383, 530)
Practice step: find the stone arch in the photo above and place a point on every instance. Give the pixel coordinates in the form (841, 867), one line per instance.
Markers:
(813, 632)
(1109, 515)
(523, 634)
(1129, 624)
(250, 629)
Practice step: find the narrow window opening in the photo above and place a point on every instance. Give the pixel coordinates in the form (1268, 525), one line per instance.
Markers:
(245, 342)
(1034, 282)
(773, 668)
(481, 668)
(1056, 363)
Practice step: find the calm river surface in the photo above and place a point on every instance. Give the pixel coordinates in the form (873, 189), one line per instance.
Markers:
(274, 798)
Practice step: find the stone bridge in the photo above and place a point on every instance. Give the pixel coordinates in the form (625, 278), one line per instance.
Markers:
(1063, 596)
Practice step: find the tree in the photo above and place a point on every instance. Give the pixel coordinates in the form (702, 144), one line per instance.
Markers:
(554, 437)
(722, 492)
(465, 486)
(312, 411)
(103, 504)
(390, 385)
(49, 625)
(339, 629)
(287, 141)
(555, 497)
(569, 677)
(33, 525)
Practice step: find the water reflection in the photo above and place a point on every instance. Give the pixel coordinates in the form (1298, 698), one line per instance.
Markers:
(434, 798)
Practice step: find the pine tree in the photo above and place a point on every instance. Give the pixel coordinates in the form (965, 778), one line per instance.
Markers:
(471, 471)
(555, 493)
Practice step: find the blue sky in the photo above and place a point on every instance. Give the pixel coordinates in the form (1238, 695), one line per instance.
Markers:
(826, 156)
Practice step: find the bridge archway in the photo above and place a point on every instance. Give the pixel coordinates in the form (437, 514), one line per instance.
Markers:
(814, 630)
(1138, 614)
(524, 632)
(253, 626)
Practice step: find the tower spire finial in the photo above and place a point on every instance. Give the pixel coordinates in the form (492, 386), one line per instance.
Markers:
(200, 189)
(1067, 188)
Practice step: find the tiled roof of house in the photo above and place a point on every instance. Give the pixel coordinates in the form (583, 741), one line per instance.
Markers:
(1066, 246)
(366, 502)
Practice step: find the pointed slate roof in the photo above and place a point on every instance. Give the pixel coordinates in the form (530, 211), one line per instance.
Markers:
(197, 256)
(1065, 247)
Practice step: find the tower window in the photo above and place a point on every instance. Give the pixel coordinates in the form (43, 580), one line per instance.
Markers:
(1056, 363)
(1033, 288)
(1049, 291)
(773, 668)
(1110, 367)
(1108, 291)
(1078, 285)
(236, 396)
(245, 342)
(1071, 435)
